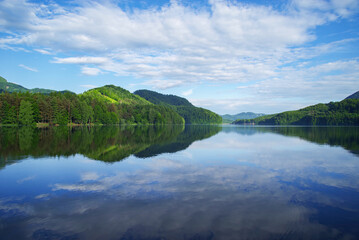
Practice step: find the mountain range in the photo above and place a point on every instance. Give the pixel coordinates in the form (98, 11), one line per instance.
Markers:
(228, 118)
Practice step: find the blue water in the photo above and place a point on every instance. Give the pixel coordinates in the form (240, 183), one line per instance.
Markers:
(236, 184)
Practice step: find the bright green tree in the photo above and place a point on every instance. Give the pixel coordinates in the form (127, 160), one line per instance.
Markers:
(26, 116)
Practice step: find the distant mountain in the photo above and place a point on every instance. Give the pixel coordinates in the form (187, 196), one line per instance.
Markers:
(6, 86)
(242, 115)
(345, 112)
(354, 96)
(190, 113)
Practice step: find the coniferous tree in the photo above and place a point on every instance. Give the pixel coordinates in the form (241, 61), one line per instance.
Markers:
(26, 116)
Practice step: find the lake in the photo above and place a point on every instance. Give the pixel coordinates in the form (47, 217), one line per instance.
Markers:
(179, 182)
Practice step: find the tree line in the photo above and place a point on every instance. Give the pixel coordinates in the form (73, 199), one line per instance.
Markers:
(345, 112)
(63, 108)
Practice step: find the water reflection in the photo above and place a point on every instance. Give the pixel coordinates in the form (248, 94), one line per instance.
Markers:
(108, 144)
(346, 137)
(242, 183)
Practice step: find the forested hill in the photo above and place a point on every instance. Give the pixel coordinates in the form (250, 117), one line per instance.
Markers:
(162, 99)
(104, 105)
(6, 86)
(190, 113)
(353, 96)
(113, 94)
(345, 112)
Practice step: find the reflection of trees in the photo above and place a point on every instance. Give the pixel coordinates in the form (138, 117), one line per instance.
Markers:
(346, 137)
(100, 143)
(181, 141)
(25, 138)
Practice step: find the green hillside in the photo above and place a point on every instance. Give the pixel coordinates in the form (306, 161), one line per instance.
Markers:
(6, 86)
(162, 99)
(353, 96)
(190, 113)
(113, 94)
(2, 80)
(345, 112)
(105, 105)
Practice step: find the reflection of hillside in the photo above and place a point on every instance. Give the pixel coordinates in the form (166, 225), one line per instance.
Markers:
(182, 141)
(346, 137)
(101, 143)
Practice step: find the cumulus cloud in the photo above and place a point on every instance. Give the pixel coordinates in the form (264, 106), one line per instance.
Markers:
(90, 71)
(81, 60)
(163, 84)
(88, 86)
(43, 51)
(28, 68)
(188, 92)
(174, 45)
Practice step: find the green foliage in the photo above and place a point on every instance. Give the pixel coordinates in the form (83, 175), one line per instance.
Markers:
(345, 112)
(6, 86)
(12, 87)
(67, 108)
(26, 116)
(195, 115)
(104, 105)
(2, 80)
(190, 113)
(162, 99)
(113, 94)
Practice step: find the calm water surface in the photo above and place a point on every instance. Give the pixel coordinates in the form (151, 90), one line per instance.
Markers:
(193, 182)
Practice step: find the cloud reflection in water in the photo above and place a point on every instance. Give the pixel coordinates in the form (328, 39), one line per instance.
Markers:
(260, 186)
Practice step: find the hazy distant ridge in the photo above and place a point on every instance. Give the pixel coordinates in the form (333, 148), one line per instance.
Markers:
(242, 115)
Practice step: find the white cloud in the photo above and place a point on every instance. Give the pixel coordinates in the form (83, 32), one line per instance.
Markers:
(188, 92)
(81, 60)
(163, 84)
(89, 176)
(176, 45)
(40, 196)
(25, 179)
(43, 51)
(28, 68)
(88, 86)
(90, 71)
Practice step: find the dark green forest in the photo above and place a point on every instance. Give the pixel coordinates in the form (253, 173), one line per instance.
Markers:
(341, 113)
(190, 113)
(354, 96)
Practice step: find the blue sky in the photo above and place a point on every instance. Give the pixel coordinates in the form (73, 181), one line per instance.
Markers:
(227, 56)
